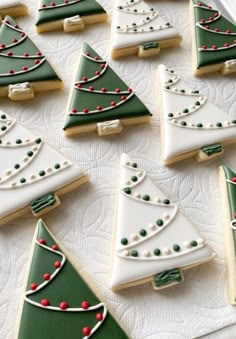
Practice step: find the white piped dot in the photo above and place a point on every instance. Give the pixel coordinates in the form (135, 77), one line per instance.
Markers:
(227, 123)
(134, 237)
(35, 148)
(27, 140)
(8, 172)
(49, 170)
(166, 250)
(166, 216)
(192, 124)
(210, 125)
(127, 182)
(200, 241)
(146, 253)
(33, 177)
(137, 195)
(127, 163)
(65, 163)
(174, 121)
(13, 184)
(187, 244)
(126, 253)
(193, 107)
(8, 143)
(139, 174)
(25, 159)
(152, 227)
(157, 200)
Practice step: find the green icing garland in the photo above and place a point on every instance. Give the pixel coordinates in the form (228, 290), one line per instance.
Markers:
(167, 277)
(210, 40)
(99, 94)
(43, 202)
(20, 59)
(209, 150)
(61, 10)
(65, 290)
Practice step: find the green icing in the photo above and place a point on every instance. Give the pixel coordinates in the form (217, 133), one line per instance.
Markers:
(132, 107)
(204, 37)
(82, 8)
(150, 45)
(43, 71)
(167, 277)
(67, 286)
(45, 201)
(231, 190)
(209, 150)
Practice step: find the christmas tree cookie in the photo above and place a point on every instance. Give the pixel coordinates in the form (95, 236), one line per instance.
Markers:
(59, 302)
(13, 8)
(69, 15)
(228, 194)
(100, 101)
(214, 40)
(154, 241)
(23, 68)
(33, 174)
(191, 126)
(139, 29)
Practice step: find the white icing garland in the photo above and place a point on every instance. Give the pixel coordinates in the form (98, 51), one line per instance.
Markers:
(8, 123)
(61, 5)
(53, 308)
(25, 71)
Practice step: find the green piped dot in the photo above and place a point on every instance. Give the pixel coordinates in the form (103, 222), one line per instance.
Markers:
(30, 153)
(22, 180)
(134, 165)
(146, 197)
(170, 81)
(193, 243)
(127, 190)
(171, 71)
(0, 141)
(157, 251)
(167, 87)
(124, 241)
(195, 92)
(166, 201)
(17, 166)
(143, 232)
(176, 248)
(38, 141)
(185, 110)
(3, 116)
(199, 125)
(57, 166)
(170, 115)
(183, 123)
(18, 141)
(159, 222)
(134, 178)
(219, 124)
(233, 121)
(182, 91)
(197, 103)
(3, 128)
(134, 253)
(42, 173)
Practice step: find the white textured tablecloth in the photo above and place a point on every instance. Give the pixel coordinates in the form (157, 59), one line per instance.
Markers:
(84, 222)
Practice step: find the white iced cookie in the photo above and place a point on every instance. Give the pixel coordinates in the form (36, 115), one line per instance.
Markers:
(153, 240)
(13, 8)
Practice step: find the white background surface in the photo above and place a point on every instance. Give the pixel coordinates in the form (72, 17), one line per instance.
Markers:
(84, 222)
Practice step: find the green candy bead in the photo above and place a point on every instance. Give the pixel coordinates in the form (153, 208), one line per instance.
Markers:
(219, 124)
(18, 141)
(170, 115)
(143, 232)
(127, 190)
(3, 128)
(42, 173)
(183, 123)
(159, 222)
(185, 110)
(193, 243)
(157, 252)
(134, 165)
(30, 153)
(57, 166)
(22, 180)
(134, 178)
(38, 141)
(176, 248)
(199, 125)
(146, 197)
(3, 116)
(197, 103)
(134, 253)
(166, 201)
(124, 241)
(17, 166)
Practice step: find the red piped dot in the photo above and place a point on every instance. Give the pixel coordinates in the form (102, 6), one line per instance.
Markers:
(24, 68)
(85, 110)
(15, 40)
(99, 108)
(2, 46)
(91, 88)
(9, 53)
(84, 78)
(63, 305)
(26, 55)
(42, 241)
(44, 302)
(16, 26)
(207, 27)
(87, 53)
(209, 7)
(211, 18)
(102, 66)
(53, 4)
(130, 90)
(85, 305)
(33, 286)
(7, 22)
(37, 62)
(86, 331)
(202, 20)
(204, 47)
(74, 110)
(216, 15)
(43, 6)
(226, 45)
(57, 264)
(66, 1)
(214, 47)
(234, 41)
(103, 89)
(96, 58)
(78, 85)
(228, 31)
(233, 179)
(54, 247)
(46, 276)
(199, 4)
(99, 316)
(117, 90)
(123, 97)
(22, 34)
(216, 30)
(113, 103)
(97, 73)
(39, 53)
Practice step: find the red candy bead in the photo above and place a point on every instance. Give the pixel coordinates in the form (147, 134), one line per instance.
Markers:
(24, 68)
(209, 7)
(74, 110)
(54, 247)
(123, 97)
(46, 276)
(216, 30)
(199, 4)
(117, 90)
(85, 305)
(42, 241)
(207, 27)
(11, 71)
(234, 41)
(22, 34)
(85, 78)
(87, 53)
(78, 85)
(216, 14)
(53, 4)
(33, 286)
(15, 40)
(228, 31)
(99, 108)
(104, 89)
(113, 103)
(43, 6)
(86, 331)
(91, 88)
(16, 26)
(102, 66)
(63, 305)
(204, 47)
(234, 214)
(2, 46)
(130, 90)
(233, 179)
(202, 20)
(26, 54)
(39, 53)
(226, 45)
(44, 302)
(7, 22)
(99, 316)
(66, 1)
(9, 53)
(37, 62)
(211, 19)
(85, 110)
(96, 58)
(57, 264)
(97, 73)
(214, 47)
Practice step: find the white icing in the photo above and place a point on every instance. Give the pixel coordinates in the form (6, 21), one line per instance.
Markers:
(9, 3)
(124, 19)
(134, 215)
(69, 309)
(20, 88)
(109, 125)
(233, 224)
(26, 71)
(74, 20)
(20, 196)
(175, 135)
(230, 64)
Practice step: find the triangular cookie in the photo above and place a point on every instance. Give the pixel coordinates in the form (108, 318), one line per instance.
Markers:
(32, 174)
(58, 302)
(13, 8)
(154, 241)
(191, 125)
(100, 100)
